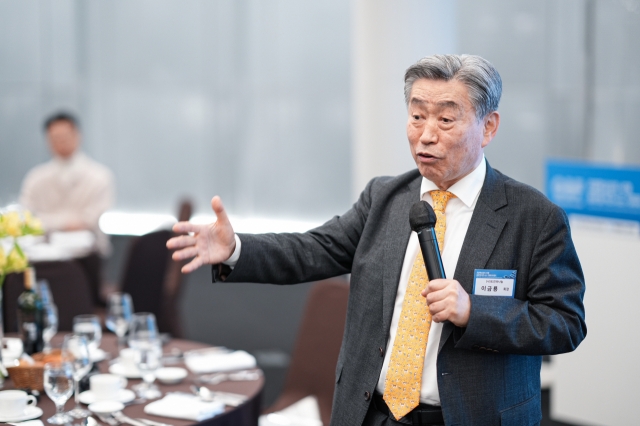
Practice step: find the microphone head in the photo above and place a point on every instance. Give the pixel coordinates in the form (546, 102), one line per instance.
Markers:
(422, 216)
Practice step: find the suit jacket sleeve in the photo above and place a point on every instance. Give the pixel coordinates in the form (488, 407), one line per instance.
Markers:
(320, 253)
(550, 318)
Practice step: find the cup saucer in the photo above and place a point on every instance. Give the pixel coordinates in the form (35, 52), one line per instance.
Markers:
(31, 412)
(124, 396)
(97, 355)
(124, 371)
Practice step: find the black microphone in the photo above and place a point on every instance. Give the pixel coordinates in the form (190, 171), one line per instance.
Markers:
(422, 219)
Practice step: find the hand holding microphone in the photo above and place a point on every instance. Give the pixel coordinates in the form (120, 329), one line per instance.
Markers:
(447, 300)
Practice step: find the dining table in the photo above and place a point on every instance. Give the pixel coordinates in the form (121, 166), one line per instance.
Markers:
(245, 414)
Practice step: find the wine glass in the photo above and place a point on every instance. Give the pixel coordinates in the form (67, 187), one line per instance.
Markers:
(45, 292)
(76, 351)
(119, 314)
(89, 327)
(50, 311)
(145, 341)
(58, 384)
(50, 325)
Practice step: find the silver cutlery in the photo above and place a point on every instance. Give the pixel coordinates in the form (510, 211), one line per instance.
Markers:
(152, 422)
(227, 398)
(240, 376)
(116, 419)
(122, 418)
(89, 421)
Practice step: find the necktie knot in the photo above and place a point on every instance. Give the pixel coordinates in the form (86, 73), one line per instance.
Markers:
(440, 199)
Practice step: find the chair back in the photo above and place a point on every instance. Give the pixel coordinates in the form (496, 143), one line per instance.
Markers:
(69, 287)
(153, 279)
(145, 271)
(315, 354)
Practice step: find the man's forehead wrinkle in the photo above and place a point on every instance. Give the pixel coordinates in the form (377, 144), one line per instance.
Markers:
(449, 104)
(440, 104)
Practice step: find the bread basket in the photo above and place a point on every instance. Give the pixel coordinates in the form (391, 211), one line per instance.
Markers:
(31, 376)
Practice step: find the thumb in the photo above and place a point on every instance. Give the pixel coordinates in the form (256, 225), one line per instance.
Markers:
(221, 213)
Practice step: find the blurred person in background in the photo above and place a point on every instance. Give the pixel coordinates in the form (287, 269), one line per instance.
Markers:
(71, 191)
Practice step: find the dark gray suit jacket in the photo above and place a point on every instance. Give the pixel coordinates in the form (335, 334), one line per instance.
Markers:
(488, 372)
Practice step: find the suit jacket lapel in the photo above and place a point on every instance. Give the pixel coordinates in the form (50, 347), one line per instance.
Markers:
(397, 237)
(484, 230)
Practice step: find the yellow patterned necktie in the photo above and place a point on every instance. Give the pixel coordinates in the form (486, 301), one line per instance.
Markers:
(404, 375)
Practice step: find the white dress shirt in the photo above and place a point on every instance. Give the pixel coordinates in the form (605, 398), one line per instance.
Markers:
(72, 190)
(458, 215)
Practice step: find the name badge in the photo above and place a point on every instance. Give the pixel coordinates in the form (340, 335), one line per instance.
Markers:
(494, 282)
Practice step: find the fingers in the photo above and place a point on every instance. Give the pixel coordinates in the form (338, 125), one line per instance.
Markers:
(221, 213)
(186, 253)
(185, 227)
(181, 241)
(435, 285)
(192, 266)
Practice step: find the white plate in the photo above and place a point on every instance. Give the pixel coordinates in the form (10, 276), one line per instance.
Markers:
(171, 375)
(31, 412)
(124, 396)
(121, 370)
(106, 407)
(98, 355)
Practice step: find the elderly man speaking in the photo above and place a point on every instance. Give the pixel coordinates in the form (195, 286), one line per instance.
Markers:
(457, 350)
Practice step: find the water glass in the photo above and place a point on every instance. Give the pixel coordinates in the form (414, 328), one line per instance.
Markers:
(145, 341)
(147, 355)
(58, 384)
(89, 327)
(50, 325)
(76, 351)
(119, 315)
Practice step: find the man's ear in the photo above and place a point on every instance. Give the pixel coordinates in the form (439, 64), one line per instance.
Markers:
(491, 124)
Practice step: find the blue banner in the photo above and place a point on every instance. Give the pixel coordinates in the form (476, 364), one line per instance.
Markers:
(595, 189)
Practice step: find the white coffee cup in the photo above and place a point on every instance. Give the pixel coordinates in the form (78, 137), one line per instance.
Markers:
(107, 387)
(128, 359)
(13, 403)
(11, 350)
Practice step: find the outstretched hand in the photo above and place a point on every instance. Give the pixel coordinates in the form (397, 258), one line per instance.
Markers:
(210, 244)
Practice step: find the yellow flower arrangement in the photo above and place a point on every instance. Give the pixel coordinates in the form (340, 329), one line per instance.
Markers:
(14, 224)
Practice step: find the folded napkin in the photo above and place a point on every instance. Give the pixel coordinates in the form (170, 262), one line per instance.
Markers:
(209, 362)
(32, 423)
(301, 413)
(184, 406)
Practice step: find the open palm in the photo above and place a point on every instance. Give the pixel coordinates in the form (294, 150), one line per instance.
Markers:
(207, 244)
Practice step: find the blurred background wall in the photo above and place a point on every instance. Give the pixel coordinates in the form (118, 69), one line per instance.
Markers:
(286, 109)
(262, 101)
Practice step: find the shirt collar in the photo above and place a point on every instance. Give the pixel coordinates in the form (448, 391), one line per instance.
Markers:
(74, 159)
(466, 189)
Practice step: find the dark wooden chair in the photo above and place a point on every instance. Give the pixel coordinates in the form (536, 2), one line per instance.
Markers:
(69, 288)
(153, 279)
(315, 355)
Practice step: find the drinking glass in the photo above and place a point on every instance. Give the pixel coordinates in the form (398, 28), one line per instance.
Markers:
(58, 384)
(145, 341)
(76, 351)
(50, 325)
(119, 314)
(89, 327)
(45, 292)
(50, 312)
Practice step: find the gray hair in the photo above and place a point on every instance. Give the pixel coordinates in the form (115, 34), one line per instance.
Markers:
(481, 78)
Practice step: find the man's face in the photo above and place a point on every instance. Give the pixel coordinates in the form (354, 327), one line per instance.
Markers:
(63, 138)
(445, 137)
